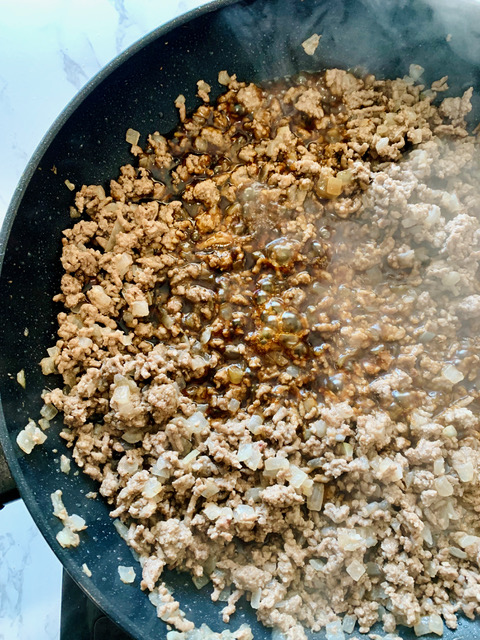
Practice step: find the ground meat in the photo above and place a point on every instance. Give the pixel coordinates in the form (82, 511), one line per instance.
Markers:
(270, 350)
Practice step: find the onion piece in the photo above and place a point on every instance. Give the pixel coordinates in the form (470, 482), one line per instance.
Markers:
(127, 574)
(65, 464)
(356, 570)
(21, 378)
(132, 136)
(315, 500)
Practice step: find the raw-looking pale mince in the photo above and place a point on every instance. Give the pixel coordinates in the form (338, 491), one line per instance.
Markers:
(269, 352)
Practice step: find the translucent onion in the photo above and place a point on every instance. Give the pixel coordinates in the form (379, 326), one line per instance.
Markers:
(439, 467)
(48, 411)
(160, 468)
(65, 464)
(255, 599)
(297, 476)
(250, 454)
(334, 631)
(319, 428)
(465, 471)
(348, 623)
(75, 522)
(350, 540)
(190, 457)
(200, 581)
(140, 308)
(274, 465)
(151, 488)
(68, 538)
(422, 627)
(443, 486)
(127, 574)
(466, 540)
(254, 423)
(452, 374)
(315, 500)
(436, 624)
(121, 528)
(356, 570)
(449, 431)
(211, 488)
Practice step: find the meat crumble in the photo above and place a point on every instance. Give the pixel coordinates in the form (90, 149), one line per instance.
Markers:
(269, 350)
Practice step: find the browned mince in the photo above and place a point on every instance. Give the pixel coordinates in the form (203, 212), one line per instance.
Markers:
(304, 253)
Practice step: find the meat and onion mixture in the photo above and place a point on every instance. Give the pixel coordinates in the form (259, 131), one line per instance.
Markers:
(270, 349)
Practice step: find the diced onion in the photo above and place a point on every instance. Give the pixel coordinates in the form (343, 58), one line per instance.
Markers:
(161, 469)
(466, 540)
(415, 71)
(443, 486)
(21, 378)
(319, 428)
(449, 431)
(255, 599)
(436, 624)
(244, 512)
(465, 471)
(427, 534)
(140, 308)
(297, 476)
(47, 365)
(132, 136)
(310, 44)
(29, 437)
(439, 467)
(334, 631)
(65, 464)
(48, 411)
(190, 457)
(350, 540)
(121, 528)
(200, 581)
(422, 627)
(348, 623)
(250, 454)
(132, 436)
(127, 574)
(382, 144)
(68, 538)
(315, 500)
(274, 465)
(151, 488)
(86, 570)
(211, 488)
(452, 374)
(356, 570)
(212, 511)
(458, 553)
(254, 423)
(75, 522)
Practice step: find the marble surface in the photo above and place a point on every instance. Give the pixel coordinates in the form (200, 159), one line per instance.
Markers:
(48, 51)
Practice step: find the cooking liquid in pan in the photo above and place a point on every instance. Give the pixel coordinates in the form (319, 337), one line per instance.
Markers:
(316, 282)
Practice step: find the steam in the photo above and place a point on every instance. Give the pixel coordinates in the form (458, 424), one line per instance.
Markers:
(375, 36)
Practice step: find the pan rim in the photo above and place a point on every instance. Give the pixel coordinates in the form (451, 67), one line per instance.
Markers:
(65, 556)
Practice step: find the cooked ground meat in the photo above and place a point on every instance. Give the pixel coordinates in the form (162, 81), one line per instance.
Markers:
(270, 350)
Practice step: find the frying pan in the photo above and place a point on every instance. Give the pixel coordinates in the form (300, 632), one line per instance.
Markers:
(258, 40)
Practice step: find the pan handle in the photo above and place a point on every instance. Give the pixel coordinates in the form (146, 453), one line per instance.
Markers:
(8, 490)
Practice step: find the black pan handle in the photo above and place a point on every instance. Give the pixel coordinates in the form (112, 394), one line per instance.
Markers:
(8, 490)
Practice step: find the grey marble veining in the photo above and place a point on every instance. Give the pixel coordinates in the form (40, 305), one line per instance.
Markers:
(48, 51)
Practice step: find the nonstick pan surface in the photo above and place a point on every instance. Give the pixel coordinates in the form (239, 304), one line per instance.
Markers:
(258, 40)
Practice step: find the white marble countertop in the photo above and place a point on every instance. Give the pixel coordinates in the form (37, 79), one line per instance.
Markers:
(48, 51)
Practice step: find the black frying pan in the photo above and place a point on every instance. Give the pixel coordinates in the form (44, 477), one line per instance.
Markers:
(258, 40)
